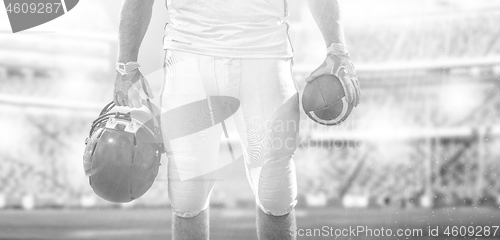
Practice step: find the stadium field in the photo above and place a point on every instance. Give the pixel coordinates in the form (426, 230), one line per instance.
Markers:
(239, 224)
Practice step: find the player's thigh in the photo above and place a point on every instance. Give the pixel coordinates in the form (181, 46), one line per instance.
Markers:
(268, 119)
(191, 138)
(192, 151)
(268, 124)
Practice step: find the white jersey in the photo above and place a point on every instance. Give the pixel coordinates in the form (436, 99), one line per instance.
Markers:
(229, 28)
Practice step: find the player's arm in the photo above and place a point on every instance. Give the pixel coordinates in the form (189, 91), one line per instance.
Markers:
(135, 17)
(134, 21)
(327, 15)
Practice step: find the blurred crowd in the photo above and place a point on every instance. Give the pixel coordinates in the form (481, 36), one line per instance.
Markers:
(466, 35)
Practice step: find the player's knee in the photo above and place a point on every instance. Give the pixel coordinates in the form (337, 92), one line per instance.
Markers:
(277, 207)
(188, 208)
(188, 199)
(277, 189)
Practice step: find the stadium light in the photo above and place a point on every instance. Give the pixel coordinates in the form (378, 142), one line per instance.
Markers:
(496, 70)
(16, 130)
(3, 201)
(459, 99)
(76, 87)
(385, 124)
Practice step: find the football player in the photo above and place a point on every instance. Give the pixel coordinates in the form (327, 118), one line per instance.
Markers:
(241, 49)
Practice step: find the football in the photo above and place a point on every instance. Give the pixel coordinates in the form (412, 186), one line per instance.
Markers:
(324, 101)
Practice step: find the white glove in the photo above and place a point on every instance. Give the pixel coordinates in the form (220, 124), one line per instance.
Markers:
(131, 88)
(337, 63)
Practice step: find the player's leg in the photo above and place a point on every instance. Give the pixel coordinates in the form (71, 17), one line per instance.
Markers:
(275, 227)
(193, 157)
(194, 228)
(268, 122)
(189, 202)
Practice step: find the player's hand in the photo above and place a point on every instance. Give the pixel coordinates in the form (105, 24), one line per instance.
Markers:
(131, 89)
(337, 63)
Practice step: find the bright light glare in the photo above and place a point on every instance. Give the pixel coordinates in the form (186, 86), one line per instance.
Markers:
(385, 124)
(385, 129)
(76, 87)
(13, 132)
(459, 100)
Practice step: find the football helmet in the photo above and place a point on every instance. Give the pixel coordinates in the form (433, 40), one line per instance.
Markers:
(123, 151)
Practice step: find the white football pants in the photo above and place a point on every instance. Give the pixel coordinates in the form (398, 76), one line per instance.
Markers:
(267, 122)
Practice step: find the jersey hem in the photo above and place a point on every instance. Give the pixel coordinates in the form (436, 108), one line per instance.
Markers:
(220, 53)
